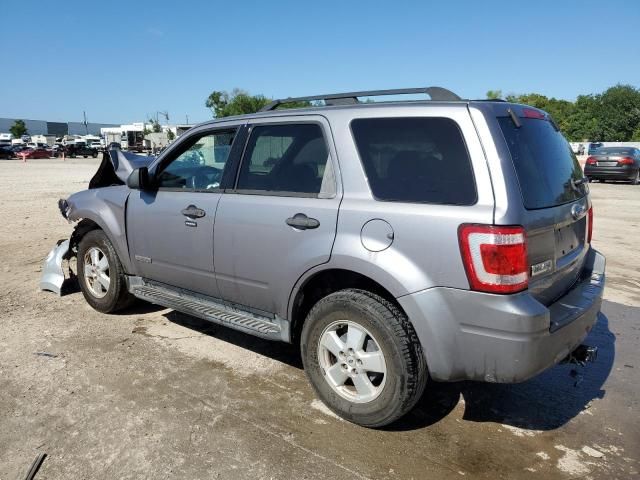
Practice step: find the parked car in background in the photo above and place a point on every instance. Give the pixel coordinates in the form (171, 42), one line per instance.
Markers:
(80, 150)
(97, 146)
(593, 147)
(18, 148)
(31, 153)
(6, 153)
(614, 163)
(378, 237)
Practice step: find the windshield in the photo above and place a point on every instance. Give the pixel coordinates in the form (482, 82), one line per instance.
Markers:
(548, 171)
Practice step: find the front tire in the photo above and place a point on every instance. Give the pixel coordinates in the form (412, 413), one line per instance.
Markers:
(101, 275)
(363, 357)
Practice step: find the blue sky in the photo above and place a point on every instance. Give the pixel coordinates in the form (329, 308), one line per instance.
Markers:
(121, 61)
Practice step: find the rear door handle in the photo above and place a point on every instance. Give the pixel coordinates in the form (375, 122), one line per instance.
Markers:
(193, 212)
(302, 222)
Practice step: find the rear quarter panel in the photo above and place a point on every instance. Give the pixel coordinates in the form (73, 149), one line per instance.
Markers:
(425, 251)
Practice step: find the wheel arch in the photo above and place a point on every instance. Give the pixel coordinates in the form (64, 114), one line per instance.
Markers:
(317, 284)
(102, 208)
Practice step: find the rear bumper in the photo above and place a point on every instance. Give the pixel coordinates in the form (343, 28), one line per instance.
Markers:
(503, 338)
(628, 172)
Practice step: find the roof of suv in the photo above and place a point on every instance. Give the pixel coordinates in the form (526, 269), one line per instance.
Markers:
(349, 100)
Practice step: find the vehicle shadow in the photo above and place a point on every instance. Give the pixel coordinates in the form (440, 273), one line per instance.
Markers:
(545, 402)
(282, 352)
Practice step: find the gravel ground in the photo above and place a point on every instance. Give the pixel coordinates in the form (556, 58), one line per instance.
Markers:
(152, 393)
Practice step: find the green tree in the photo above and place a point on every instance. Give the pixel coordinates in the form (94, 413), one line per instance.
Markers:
(619, 113)
(494, 94)
(613, 115)
(583, 123)
(240, 102)
(170, 135)
(560, 110)
(155, 126)
(18, 129)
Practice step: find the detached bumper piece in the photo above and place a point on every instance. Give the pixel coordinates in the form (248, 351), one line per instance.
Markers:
(52, 277)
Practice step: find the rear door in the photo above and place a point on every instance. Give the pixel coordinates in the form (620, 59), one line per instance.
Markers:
(280, 219)
(555, 200)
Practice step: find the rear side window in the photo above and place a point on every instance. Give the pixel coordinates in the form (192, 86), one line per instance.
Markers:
(417, 160)
(546, 167)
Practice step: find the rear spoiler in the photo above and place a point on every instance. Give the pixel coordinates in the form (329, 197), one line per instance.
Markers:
(116, 166)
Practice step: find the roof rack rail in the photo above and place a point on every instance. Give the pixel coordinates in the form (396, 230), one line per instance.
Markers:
(350, 98)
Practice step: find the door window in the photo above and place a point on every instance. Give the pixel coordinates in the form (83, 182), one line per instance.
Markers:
(290, 159)
(199, 164)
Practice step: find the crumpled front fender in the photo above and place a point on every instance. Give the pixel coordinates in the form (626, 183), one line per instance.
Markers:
(52, 273)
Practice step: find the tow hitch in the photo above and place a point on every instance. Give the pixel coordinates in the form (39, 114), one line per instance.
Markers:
(582, 355)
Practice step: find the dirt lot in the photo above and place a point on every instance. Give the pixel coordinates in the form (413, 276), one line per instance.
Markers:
(155, 394)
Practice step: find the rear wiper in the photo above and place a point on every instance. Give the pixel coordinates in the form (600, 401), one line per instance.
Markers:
(514, 118)
(580, 181)
(576, 183)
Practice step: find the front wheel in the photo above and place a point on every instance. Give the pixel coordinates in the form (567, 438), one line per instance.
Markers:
(363, 358)
(100, 274)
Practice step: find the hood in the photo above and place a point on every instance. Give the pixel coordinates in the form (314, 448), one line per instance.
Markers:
(116, 166)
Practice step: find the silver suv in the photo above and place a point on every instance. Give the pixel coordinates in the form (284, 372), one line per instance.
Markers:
(398, 243)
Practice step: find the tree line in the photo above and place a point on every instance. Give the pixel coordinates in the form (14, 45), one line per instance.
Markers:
(610, 116)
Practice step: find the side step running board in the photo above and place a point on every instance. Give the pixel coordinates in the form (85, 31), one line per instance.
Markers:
(209, 308)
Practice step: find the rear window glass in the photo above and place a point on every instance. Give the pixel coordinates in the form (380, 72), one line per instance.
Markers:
(418, 160)
(546, 166)
(615, 151)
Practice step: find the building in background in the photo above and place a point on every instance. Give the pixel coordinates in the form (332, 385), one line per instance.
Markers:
(59, 129)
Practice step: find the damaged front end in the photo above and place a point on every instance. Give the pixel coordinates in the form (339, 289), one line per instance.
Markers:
(53, 276)
(52, 273)
(105, 205)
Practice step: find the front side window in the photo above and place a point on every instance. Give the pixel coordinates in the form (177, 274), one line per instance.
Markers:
(287, 158)
(200, 164)
(415, 159)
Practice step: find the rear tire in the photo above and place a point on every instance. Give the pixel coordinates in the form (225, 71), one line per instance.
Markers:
(636, 180)
(350, 382)
(101, 275)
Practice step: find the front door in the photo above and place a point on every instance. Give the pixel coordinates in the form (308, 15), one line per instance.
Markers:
(170, 229)
(280, 219)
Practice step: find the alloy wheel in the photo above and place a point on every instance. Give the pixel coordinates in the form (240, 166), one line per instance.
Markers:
(352, 361)
(96, 272)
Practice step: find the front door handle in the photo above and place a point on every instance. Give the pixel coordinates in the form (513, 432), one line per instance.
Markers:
(302, 222)
(193, 212)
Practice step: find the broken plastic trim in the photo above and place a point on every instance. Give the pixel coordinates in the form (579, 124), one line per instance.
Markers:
(52, 277)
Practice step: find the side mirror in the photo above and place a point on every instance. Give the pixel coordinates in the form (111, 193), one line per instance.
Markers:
(139, 179)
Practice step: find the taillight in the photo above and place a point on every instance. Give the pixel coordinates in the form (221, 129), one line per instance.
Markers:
(625, 161)
(590, 225)
(591, 161)
(494, 257)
